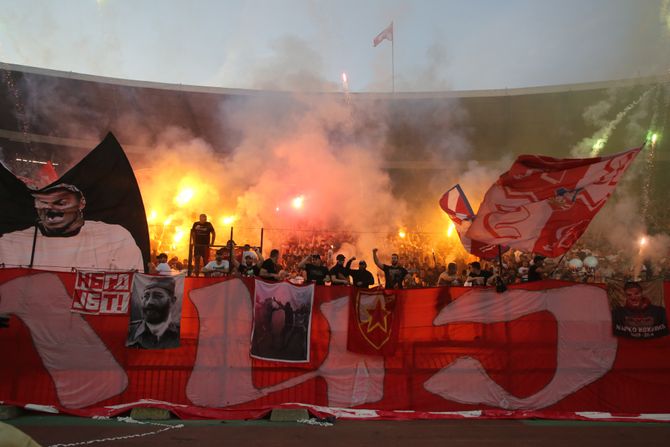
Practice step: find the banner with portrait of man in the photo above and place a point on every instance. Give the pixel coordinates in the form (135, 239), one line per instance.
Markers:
(92, 217)
(638, 309)
(282, 321)
(155, 311)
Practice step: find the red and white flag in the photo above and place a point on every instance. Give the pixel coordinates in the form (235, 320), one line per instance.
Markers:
(544, 204)
(386, 34)
(457, 206)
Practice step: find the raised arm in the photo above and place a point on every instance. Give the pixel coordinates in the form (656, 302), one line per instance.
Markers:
(304, 261)
(376, 259)
(259, 258)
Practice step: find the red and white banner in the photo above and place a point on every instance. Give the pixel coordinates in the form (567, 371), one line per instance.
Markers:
(456, 205)
(386, 34)
(542, 349)
(544, 204)
(100, 293)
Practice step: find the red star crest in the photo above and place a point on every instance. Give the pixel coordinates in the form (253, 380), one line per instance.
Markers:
(374, 312)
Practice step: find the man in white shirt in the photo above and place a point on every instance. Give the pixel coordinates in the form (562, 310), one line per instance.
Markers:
(163, 268)
(217, 267)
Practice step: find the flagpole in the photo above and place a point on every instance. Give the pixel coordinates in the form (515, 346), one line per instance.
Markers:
(500, 284)
(392, 58)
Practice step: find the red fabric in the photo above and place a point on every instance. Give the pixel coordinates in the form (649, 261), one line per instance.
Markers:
(47, 174)
(544, 204)
(387, 34)
(520, 357)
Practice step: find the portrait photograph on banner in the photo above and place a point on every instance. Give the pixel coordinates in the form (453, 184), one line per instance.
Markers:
(92, 217)
(282, 322)
(155, 312)
(638, 309)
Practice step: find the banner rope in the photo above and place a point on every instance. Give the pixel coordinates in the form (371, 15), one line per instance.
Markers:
(128, 420)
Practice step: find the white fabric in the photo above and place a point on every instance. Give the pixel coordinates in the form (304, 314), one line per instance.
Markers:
(585, 352)
(223, 377)
(97, 246)
(83, 369)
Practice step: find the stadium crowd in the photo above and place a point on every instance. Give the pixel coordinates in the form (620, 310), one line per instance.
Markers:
(313, 258)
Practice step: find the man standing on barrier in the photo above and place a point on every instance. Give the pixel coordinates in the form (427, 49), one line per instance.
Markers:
(202, 236)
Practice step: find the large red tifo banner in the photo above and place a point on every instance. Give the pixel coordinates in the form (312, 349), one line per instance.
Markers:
(544, 350)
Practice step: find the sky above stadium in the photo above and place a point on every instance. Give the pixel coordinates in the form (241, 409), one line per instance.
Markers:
(307, 44)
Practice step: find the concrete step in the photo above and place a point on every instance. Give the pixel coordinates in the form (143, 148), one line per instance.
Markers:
(288, 415)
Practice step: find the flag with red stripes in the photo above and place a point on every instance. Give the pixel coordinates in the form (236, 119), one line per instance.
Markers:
(456, 205)
(544, 204)
(386, 34)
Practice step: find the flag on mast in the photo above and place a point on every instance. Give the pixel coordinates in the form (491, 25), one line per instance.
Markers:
(387, 34)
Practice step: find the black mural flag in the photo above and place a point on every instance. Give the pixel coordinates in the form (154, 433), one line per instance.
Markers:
(103, 194)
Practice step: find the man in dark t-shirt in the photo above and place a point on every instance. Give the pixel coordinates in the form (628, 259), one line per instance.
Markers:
(202, 236)
(316, 271)
(478, 276)
(394, 274)
(270, 268)
(339, 274)
(362, 277)
(250, 267)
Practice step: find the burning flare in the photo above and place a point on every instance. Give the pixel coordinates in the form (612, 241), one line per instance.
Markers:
(298, 202)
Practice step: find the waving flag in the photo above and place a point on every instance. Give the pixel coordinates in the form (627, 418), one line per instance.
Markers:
(456, 205)
(386, 34)
(544, 204)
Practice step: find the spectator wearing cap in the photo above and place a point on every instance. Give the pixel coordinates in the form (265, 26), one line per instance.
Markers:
(155, 330)
(247, 250)
(251, 265)
(339, 274)
(362, 277)
(66, 239)
(316, 271)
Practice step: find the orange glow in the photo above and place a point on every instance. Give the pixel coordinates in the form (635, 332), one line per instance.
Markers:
(184, 196)
(178, 235)
(152, 217)
(643, 241)
(298, 202)
(402, 234)
(228, 220)
(450, 229)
